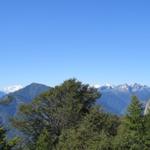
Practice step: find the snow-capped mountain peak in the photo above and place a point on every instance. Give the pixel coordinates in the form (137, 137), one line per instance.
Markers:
(96, 86)
(12, 88)
(123, 87)
(117, 98)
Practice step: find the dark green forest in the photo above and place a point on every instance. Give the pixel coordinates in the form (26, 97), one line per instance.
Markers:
(67, 118)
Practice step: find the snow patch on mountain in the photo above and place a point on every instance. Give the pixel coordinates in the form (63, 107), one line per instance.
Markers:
(97, 86)
(12, 88)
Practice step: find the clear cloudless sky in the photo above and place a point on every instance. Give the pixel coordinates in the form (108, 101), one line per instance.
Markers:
(95, 41)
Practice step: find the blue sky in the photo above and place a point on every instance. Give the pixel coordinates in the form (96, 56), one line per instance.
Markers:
(96, 41)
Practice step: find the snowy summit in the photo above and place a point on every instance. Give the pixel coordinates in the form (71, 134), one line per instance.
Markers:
(12, 88)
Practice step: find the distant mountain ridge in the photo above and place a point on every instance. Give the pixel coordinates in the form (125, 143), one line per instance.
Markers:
(115, 99)
(9, 103)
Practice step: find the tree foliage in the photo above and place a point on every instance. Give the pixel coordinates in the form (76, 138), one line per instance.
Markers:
(132, 132)
(94, 132)
(66, 118)
(5, 144)
(61, 108)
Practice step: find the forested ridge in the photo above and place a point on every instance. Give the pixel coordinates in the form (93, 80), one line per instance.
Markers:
(67, 118)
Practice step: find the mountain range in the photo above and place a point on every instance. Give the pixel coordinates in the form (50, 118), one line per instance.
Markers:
(114, 99)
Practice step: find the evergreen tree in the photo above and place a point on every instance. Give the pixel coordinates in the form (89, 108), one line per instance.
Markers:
(131, 134)
(147, 130)
(61, 108)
